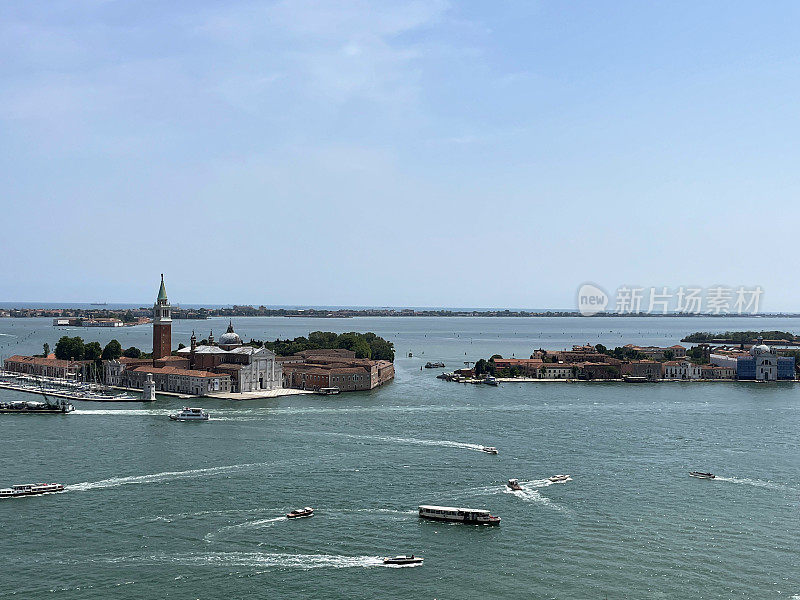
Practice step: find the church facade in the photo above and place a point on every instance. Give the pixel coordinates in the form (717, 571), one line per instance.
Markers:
(250, 369)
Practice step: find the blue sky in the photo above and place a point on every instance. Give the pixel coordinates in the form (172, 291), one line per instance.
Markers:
(398, 152)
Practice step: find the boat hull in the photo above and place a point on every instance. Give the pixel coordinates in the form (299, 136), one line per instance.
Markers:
(495, 521)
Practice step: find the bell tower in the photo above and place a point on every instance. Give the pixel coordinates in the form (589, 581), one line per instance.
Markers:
(162, 324)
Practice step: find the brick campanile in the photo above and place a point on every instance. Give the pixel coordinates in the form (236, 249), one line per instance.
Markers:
(162, 324)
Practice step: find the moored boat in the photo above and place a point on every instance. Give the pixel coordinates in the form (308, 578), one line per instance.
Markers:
(27, 407)
(514, 484)
(490, 380)
(701, 475)
(403, 560)
(31, 489)
(300, 513)
(190, 414)
(329, 391)
(470, 516)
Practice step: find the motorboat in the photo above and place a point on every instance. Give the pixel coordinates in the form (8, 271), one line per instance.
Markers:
(31, 489)
(300, 513)
(514, 484)
(329, 391)
(559, 478)
(701, 475)
(489, 449)
(490, 380)
(458, 515)
(190, 414)
(403, 560)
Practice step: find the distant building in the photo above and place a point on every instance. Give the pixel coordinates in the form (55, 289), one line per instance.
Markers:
(646, 369)
(717, 372)
(322, 368)
(760, 363)
(658, 353)
(47, 367)
(680, 369)
(181, 381)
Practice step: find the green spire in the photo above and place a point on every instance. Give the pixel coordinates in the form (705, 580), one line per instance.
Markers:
(162, 292)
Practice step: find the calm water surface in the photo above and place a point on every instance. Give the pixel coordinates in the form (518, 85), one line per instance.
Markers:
(180, 510)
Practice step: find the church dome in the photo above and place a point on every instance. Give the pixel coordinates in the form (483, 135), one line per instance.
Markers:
(230, 337)
(759, 349)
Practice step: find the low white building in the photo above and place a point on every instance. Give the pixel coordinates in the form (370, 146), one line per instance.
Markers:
(681, 369)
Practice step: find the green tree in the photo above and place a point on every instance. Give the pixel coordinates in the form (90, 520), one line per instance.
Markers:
(480, 367)
(128, 317)
(70, 348)
(601, 349)
(669, 354)
(92, 351)
(45, 349)
(112, 351)
(132, 352)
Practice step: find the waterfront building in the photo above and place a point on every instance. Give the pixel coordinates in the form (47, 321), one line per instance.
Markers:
(249, 368)
(47, 367)
(315, 369)
(596, 370)
(180, 381)
(717, 372)
(648, 369)
(761, 363)
(681, 369)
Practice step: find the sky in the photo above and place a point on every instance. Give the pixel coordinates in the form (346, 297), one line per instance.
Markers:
(397, 153)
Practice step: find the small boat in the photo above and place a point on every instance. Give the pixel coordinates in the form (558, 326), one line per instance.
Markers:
(559, 478)
(31, 489)
(434, 365)
(403, 560)
(300, 513)
(514, 484)
(190, 414)
(701, 475)
(489, 449)
(490, 380)
(329, 391)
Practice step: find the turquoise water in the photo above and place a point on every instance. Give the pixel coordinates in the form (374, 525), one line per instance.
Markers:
(183, 510)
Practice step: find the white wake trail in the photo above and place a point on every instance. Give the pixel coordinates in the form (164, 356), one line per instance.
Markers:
(256, 559)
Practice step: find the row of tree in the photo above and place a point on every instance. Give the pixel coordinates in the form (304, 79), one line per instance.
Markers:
(74, 348)
(365, 345)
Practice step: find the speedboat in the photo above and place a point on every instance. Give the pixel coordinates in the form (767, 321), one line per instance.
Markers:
(190, 414)
(31, 489)
(489, 449)
(701, 475)
(300, 513)
(403, 560)
(490, 380)
(559, 478)
(514, 484)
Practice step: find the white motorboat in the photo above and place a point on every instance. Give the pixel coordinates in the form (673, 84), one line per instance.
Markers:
(458, 515)
(701, 475)
(514, 484)
(560, 478)
(31, 489)
(489, 449)
(300, 513)
(403, 560)
(190, 414)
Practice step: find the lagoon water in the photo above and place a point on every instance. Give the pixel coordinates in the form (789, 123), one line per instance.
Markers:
(157, 509)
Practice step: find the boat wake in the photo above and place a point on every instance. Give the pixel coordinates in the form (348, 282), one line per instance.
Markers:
(158, 477)
(414, 441)
(256, 559)
(529, 492)
(259, 523)
(756, 483)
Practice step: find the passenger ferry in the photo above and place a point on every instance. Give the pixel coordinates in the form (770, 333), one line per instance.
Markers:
(458, 515)
(190, 414)
(31, 489)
